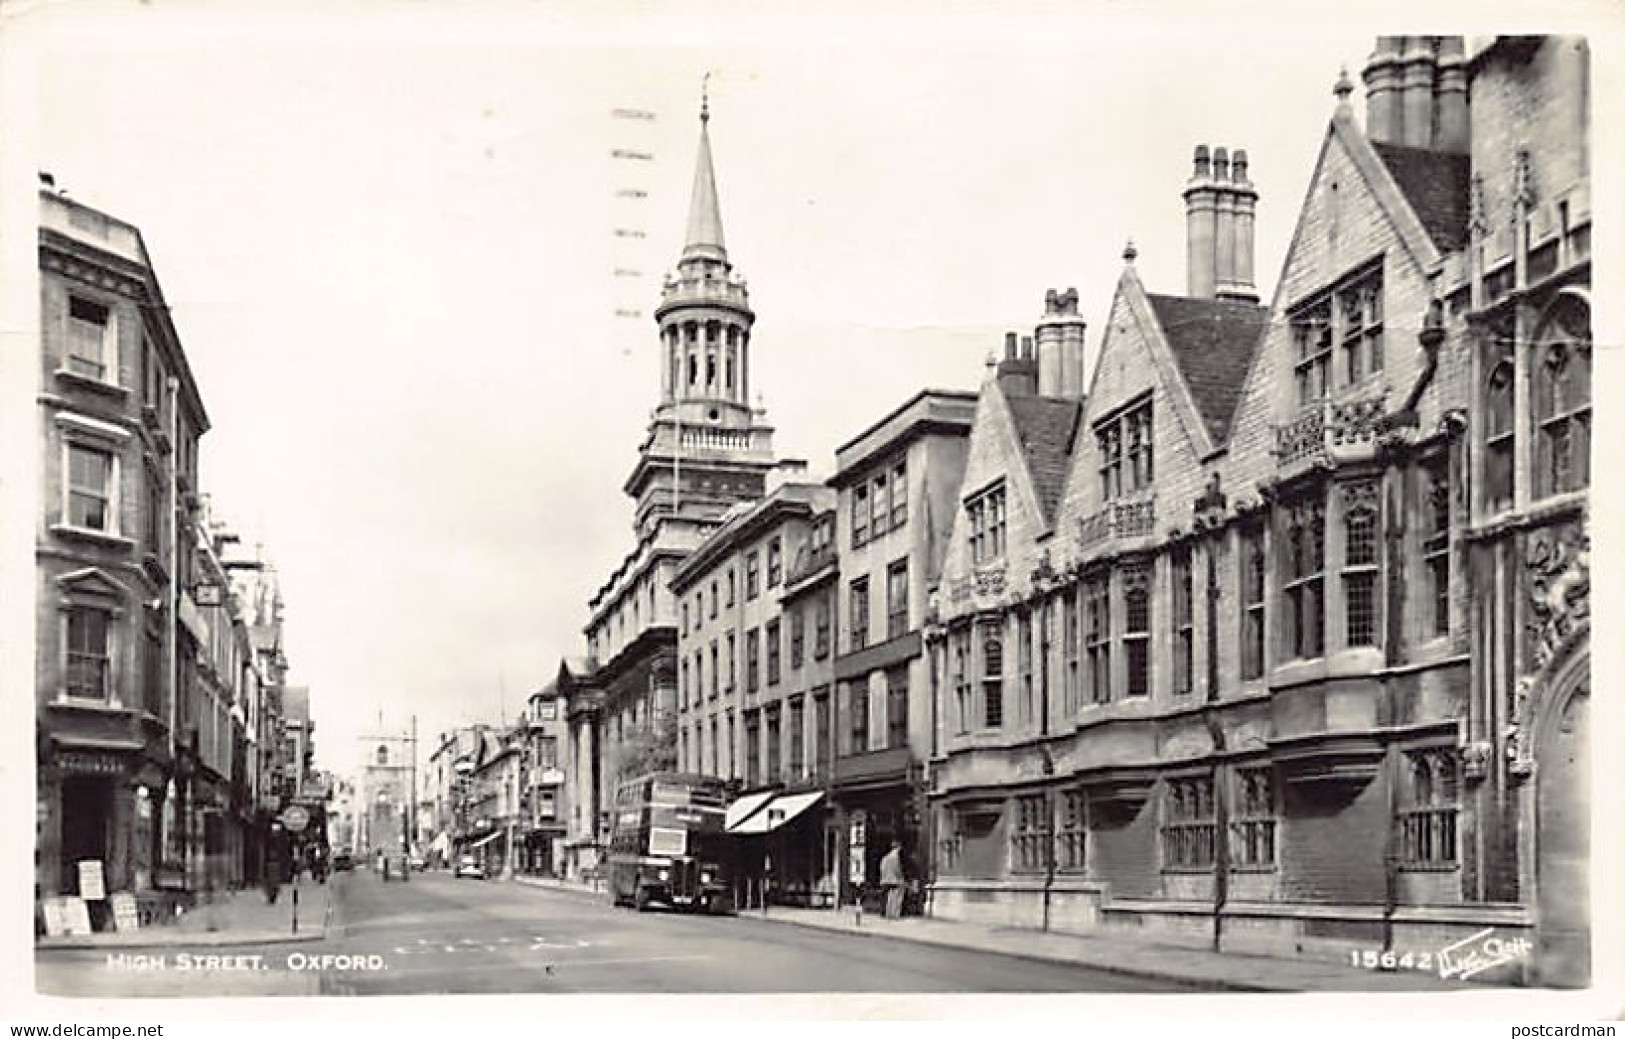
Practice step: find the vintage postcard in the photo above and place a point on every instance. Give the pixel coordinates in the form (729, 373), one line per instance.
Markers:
(529, 500)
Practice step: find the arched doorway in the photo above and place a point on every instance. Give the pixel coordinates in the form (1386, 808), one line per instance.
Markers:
(1563, 840)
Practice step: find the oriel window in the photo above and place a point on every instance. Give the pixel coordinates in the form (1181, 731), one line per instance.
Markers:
(1304, 559)
(992, 678)
(1361, 516)
(1435, 514)
(1137, 629)
(1561, 379)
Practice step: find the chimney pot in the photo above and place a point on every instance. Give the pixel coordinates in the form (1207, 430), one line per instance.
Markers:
(1221, 164)
(1238, 166)
(1009, 346)
(1201, 168)
(1026, 348)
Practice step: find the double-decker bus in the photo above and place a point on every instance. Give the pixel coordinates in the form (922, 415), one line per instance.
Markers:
(667, 845)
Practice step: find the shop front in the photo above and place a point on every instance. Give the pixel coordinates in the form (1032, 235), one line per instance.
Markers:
(779, 850)
(876, 802)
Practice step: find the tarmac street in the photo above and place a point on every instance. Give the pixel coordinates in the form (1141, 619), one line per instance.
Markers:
(438, 934)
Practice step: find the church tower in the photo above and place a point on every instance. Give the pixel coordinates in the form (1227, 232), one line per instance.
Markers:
(707, 447)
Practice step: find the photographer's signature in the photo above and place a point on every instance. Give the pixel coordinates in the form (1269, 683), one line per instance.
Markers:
(1479, 952)
(1472, 955)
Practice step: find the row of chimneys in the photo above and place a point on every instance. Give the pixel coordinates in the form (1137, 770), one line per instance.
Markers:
(1219, 207)
(1416, 92)
(1416, 95)
(1053, 366)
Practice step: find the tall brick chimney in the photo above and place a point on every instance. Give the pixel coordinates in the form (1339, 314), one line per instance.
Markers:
(1220, 203)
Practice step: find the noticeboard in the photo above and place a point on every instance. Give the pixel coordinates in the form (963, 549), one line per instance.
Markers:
(65, 914)
(126, 916)
(92, 880)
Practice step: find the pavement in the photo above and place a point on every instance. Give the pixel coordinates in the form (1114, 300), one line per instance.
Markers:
(228, 918)
(1126, 956)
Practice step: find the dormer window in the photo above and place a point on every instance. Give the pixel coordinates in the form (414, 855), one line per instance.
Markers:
(1348, 317)
(1124, 444)
(986, 515)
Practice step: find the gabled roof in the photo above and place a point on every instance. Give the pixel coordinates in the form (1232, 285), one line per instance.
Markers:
(1045, 427)
(1212, 342)
(1435, 184)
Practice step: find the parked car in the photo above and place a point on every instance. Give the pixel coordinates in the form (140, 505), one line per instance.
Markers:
(342, 861)
(418, 863)
(469, 866)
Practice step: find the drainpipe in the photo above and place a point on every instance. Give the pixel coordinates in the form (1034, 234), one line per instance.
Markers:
(1044, 619)
(172, 661)
(1221, 815)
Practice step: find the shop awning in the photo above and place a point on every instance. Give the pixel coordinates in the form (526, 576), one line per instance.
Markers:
(744, 808)
(483, 841)
(781, 810)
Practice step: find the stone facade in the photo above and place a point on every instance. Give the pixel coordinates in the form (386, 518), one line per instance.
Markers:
(1298, 734)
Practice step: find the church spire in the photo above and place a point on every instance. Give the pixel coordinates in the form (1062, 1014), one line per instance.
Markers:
(704, 212)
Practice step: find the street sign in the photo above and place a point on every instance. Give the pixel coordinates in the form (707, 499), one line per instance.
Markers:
(207, 594)
(295, 819)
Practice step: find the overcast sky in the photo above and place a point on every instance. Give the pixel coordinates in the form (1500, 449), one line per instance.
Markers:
(388, 244)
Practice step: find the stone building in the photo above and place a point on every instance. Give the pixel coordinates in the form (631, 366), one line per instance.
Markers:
(117, 624)
(1319, 573)
(544, 803)
(707, 448)
(745, 687)
(897, 486)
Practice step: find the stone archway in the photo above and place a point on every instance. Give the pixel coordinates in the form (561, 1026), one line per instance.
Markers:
(1563, 829)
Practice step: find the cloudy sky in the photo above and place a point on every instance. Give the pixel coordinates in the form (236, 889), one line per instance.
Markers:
(388, 239)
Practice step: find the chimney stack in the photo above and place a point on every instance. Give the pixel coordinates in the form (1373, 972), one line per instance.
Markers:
(1416, 81)
(1382, 91)
(1060, 346)
(1018, 372)
(1450, 125)
(1416, 93)
(1201, 203)
(1219, 213)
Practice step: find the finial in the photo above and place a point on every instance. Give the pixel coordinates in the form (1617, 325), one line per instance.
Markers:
(1129, 252)
(705, 98)
(1344, 86)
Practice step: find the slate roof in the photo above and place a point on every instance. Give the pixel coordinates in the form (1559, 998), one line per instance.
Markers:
(1212, 341)
(1435, 184)
(1045, 426)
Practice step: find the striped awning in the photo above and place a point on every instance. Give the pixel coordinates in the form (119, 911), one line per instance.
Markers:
(745, 807)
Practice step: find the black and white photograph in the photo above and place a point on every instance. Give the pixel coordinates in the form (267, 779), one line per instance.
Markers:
(529, 499)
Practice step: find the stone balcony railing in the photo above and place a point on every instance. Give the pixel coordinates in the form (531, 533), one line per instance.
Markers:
(708, 439)
(1330, 431)
(1119, 519)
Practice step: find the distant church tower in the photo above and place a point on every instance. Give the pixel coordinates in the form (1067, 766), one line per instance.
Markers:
(707, 447)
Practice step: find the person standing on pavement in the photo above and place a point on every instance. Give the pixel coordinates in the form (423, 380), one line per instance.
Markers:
(891, 880)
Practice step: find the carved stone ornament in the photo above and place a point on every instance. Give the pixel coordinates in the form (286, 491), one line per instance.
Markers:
(1520, 753)
(1475, 759)
(1559, 583)
(988, 582)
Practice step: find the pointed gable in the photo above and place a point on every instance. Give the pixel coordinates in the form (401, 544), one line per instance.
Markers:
(1212, 342)
(1045, 428)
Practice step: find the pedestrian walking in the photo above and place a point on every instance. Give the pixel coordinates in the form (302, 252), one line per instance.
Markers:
(892, 880)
